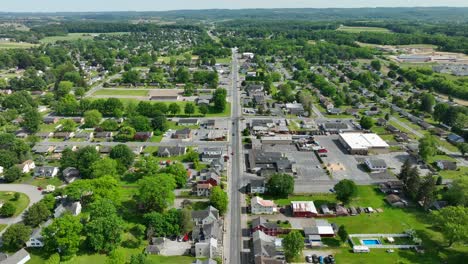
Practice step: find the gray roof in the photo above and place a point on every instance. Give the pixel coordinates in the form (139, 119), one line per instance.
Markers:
(172, 151)
(377, 163)
(207, 231)
(263, 244)
(260, 221)
(17, 257)
(202, 214)
(206, 261)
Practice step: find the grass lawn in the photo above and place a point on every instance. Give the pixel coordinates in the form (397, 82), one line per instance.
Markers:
(223, 60)
(68, 37)
(43, 182)
(363, 29)
(445, 144)
(121, 92)
(16, 45)
(435, 158)
(456, 174)
(20, 204)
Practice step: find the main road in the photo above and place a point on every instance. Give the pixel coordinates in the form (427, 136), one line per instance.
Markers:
(233, 252)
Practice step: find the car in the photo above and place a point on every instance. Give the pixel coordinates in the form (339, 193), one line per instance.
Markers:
(320, 258)
(331, 258)
(326, 260)
(315, 259)
(309, 259)
(39, 188)
(332, 190)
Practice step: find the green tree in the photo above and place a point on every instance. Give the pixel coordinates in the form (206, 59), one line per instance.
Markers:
(451, 221)
(85, 158)
(345, 190)
(189, 109)
(463, 148)
(186, 223)
(92, 118)
(427, 147)
(68, 125)
(15, 236)
(12, 174)
(203, 109)
(342, 233)
(36, 214)
(139, 259)
(164, 224)
(293, 244)
(8, 158)
(131, 76)
(109, 125)
(8, 209)
(427, 102)
(159, 122)
(174, 108)
(366, 122)
(219, 99)
(32, 120)
(219, 199)
(80, 92)
(116, 257)
(155, 193)
(64, 88)
(104, 234)
(140, 123)
(179, 172)
(458, 193)
(123, 154)
(376, 65)
(63, 236)
(102, 167)
(280, 185)
(427, 191)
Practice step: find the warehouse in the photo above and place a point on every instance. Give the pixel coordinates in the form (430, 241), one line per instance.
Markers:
(304, 209)
(361, 144)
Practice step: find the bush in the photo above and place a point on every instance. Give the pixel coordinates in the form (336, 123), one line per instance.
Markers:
(8, 210)
(16, 196)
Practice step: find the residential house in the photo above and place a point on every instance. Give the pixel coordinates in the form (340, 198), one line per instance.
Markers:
(44, 135)
(207, 231)
(206, 249)
(185, 133)
(166, 151)
(203, 189)
(105, 149)
(321, 228)
(27, 166)
(217, 164)
(209, 177)
(156, 246)
(50, 120)
(207, 216)
(268, 227)
(295, 109)
(382, 122)
(42, 149)
(455, 139)
(391, 187)
(84, 135)
(73, 207)
(257, 186)
(36, 240)
(64, 135)
(216, 135)
(143, 136)
(395, 200)
(78, 120)
(260, 206)
(70, 174)
(19, 257)
(267, 163)
(46, 171)
(209, 154)
(264, 245)
(446, 165)
(104, 135)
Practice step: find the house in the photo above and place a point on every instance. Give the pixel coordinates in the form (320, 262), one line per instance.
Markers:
(64, 135)
(446, 165)
(391, 187)
(70, 174)
(455, 139)
(185, 133)
(61, 148)
(260, 206)
(207, 216)
(206, 249)
(264, 245)
(171, 151)
(267, 163)
(321, 228)
(84, 135)
(42, 149)
(209, 176)
(36, 240)
(325, 209)
(381, 122)
(216, 135)
(137, 149)
(209, 154)
(188, 122)
(334, 111)
(157, 245)
(341, 210)
(206, 261)
(402, 137)
(105, 135)
(46, 171)
(295, 109)
(257, 186)
(78, 120)
(143, 136)
(376, 165)
(304, 209)
(27, 166)
(395, 200)
(217, 164)
(19, 257)
(207, 231)
(74, 208)
(392, 129)
(314, 240)
(105, 149)
(203, 189)
(44, 135)
(50, 120)
(267, 227)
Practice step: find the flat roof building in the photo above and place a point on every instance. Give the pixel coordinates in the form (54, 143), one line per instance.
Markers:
(359, 143)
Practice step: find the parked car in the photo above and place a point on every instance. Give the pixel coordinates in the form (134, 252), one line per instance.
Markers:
(320, 259)
(315, 259)
(331, 258)
(309, 259)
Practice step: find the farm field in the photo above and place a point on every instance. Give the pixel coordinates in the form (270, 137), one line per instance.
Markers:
(16, 45)
(75, 36)
(363, 29)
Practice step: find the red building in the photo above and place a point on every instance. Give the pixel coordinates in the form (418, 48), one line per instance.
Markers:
(304, 209)
(269, 228)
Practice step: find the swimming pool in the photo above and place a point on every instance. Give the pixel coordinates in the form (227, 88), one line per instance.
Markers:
(370, 242)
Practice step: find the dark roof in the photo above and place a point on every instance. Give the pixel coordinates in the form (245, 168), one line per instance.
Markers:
(188, 121)
(172, 151)
(260, 221)
(202, 214)
(184, 131)
(257, 183)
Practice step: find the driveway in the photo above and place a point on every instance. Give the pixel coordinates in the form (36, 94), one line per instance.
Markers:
(30, 190)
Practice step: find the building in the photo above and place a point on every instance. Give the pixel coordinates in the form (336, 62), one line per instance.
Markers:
(395, 200)
(286, 139)
(376, 165)
(209, 176)
(260, 206)
(171, 151)
(105, 135)
(267, 163)
(414, 58)
(446, 165)
(209, 154)
(248, 55)
(72, 207)
(216, 135)
(257, 186)
(188, 122)
(264, 245)
(185, 133)
(42, 149)
(304, 209)
(27, 166)
(455, 139)
(267, 227)
(143, 136)
(206, 249)
(207, 231)
(203, 189)
(391, 187)
(64, 135)
(84, 135)
(206, 261)
(321, 228)
(361, 144)
(207, 216)
(50, 120)
(19, 257)
(70, 174)
(295, 109)
(46, 171)
(156, 246)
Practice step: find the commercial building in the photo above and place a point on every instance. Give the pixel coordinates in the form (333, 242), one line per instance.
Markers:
(304, 209)
(361, 144)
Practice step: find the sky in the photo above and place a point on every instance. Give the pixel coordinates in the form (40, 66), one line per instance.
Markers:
(161, 5)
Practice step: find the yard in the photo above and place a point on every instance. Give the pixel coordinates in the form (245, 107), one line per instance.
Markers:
(20, 204)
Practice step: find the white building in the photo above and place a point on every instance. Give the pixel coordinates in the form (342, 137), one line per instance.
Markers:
(248, 55)
(360, 143)
(27, 166)
(260, 206)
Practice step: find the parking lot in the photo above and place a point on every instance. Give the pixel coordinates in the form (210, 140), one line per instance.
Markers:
(338, 155)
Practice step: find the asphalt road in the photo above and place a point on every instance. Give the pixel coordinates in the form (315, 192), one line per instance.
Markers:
(234, 220)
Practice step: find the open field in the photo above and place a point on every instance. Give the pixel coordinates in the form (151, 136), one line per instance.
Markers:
(363, 29)
(20, 204)
(121, 92)
(75, 36)
(16, 45)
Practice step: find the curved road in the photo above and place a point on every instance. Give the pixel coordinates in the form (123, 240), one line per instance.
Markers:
(30, 190)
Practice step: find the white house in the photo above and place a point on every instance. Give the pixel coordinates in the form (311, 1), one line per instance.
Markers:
(260, 206)
(46, 171)
(27, 166)
(257, 186)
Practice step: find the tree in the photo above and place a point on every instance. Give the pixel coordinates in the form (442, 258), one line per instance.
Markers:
(140, 123)
(63, 236)
(123, 154)
(116, 257)
(219, 199)
(8, 209)
(131, 76)
(109, 125)
(92, 118)
(189, 109)
(36, 214)
(174, 108)
(375, 64)
(159, 122)
(139, 259)
(427, 102)
(164, 224)
(15, 236)
(342, 233)
(366, 122)
(32, 120)
(452, 221)
(293, 244)
(440, 112)
(80, 92)
(8, 158)
(203, 109)
(69, 159)
(155, 193)
(186, 223)
(12, 174)
(280, 185)
(85, 158)
(427, 147)
(413, 182)
(179, 172)
(68, 125)
(427, 191)
(463, 148)
(387, 116)
(458, 193)
(63, 89)
(219, 99)
(102, 167)
(345, 190)
(104, 233)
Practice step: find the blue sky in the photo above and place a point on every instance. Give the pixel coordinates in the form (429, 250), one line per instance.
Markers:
(157, 5)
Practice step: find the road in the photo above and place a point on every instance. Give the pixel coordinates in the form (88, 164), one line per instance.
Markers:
(233, 251)
(30, 190)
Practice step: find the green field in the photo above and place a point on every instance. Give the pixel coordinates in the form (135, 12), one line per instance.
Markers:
(363, 29)
(75, 36)
(20, 204)
(456, 174)
(121, 92)
(16, 45)
(391, 220)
